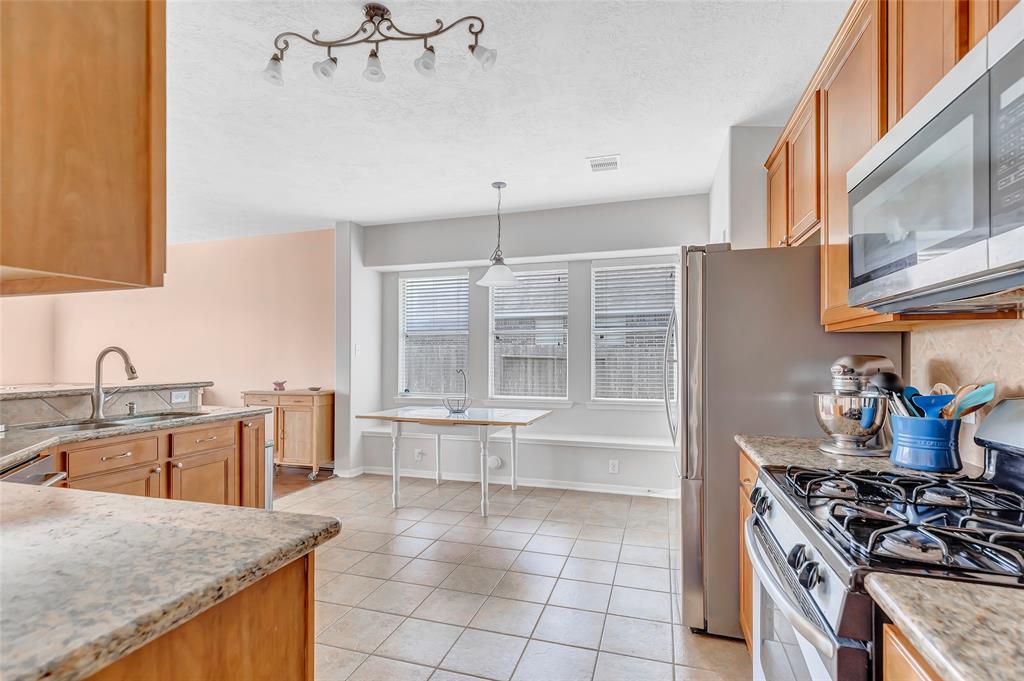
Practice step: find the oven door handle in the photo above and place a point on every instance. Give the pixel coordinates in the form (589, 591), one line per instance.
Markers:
(770, 582)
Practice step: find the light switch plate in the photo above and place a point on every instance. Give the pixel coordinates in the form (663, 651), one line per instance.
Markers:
(179, 396)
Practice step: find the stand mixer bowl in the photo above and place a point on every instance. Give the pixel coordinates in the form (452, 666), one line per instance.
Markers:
(850, 420)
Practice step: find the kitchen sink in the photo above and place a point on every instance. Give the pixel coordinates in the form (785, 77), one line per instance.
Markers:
(113, 422)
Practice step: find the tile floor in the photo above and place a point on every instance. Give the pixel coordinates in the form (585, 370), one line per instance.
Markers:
(554, 585)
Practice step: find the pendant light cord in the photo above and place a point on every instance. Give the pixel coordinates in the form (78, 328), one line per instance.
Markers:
(496, 255)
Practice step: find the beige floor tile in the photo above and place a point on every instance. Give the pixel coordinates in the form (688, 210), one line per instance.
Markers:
(347, 589)
(426, 572)
(639, 638)
(569, 593)
(411, 513)
(450, 607)
(611, 667)
(644, 555)
(335, 664)
(542, 543)
(447, 551)
(338, 560)
(525, 587)
(420, 641)
(379, 565)
(325, 614)
(571, 627)
(694, 674)
(444, 675)
(595, 550)
(543, 661)
(479, 580)
(640, 577)
(382, 669)
(367, 541)
(491, 557)
(406, 546)
(484, 653)
(466, 534)
(519, 524)
(507, 616)
(321, 577)
(504, 539)
(427, 530)
(397, 598)
(361, 630)
(545, 564)
(655, 539)
(728, 658)
(557, 528)
(476, 520)
(651, 605)
(446, 517)
(528, 511)
(587, 570)
(600, 533)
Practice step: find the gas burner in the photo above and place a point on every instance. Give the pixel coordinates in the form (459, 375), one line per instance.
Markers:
(837, 488)
(911, 544)
(944, 496)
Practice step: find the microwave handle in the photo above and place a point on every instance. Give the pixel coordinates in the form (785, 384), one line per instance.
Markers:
(817, 637)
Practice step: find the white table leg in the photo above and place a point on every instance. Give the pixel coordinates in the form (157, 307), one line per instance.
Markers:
(437, 448)
(396, 432)
(483, 471)
(515, 456)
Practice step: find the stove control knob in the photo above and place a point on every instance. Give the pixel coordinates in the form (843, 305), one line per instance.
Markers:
(797, 556)
(808, 577)
(763, 503)
(756, 494)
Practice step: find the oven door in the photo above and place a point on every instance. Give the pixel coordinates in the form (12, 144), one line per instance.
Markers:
(921, 217)
(791, 639)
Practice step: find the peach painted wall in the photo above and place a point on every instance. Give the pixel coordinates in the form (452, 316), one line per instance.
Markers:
(241, 313)
(26, 340)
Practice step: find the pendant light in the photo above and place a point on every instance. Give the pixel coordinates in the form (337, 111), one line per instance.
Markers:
(498, 274)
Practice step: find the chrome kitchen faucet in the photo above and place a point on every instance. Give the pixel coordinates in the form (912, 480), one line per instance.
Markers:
(97, 389)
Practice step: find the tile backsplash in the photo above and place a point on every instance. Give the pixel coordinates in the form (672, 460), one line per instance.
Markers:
(972, 353)
(20, 411)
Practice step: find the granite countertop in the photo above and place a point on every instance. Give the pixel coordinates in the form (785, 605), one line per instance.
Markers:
(21, 392)
(964, 631)
(19, 444)
(89, 577)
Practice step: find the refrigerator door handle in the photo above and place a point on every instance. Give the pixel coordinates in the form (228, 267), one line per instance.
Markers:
(668, 373)
(693, 445)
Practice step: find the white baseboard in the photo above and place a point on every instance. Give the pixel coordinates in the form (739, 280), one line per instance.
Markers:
(528, 482)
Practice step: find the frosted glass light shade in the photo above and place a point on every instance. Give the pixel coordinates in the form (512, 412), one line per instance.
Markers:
(498, 274)
(486, 56)
(272, 74)
(425, 62)
(325, 69)
(373, 72)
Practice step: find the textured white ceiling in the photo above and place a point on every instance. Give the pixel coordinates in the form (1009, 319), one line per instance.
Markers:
(657, 82)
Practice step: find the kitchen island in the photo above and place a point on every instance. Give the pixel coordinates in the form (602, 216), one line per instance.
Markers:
(111, 586)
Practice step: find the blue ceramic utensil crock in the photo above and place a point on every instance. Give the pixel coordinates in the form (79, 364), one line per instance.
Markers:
(926, 444)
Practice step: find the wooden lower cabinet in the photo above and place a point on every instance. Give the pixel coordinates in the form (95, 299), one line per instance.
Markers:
(210, 477)
(262, 633)
(900, 660)
(748, 478)
(251, 463)
(140, 481)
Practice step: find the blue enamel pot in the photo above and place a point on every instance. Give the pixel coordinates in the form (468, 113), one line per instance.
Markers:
(926, 444)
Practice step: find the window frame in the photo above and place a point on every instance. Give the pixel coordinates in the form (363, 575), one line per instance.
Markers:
(400, 373)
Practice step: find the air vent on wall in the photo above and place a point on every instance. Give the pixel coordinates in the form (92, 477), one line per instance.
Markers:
(599, 164)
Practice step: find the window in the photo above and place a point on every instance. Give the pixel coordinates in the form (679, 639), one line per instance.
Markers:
(530, 336)
(631, 310)
(433, 334)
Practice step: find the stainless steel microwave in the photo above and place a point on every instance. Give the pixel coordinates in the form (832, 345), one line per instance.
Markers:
(937, 205)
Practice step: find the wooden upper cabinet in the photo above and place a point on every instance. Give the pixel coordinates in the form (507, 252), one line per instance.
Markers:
(82, 169)
(778, 198)
(925, 39)
(804, 174)
(852, 97)
(982, 15)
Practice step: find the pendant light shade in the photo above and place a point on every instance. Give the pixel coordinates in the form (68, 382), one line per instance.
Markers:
(485, 55)
(374, 72)
(325, 69)
(498, 274)
(425, 62)
(272, 74)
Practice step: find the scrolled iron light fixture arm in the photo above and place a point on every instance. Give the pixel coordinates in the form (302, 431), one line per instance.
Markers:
(377, 28)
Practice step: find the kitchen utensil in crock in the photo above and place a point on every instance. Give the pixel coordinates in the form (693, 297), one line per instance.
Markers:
(932, 405)
(974, 400)
(892, 386)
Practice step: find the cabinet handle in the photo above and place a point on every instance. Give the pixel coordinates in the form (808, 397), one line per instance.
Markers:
(179, 466)
(248, 424)
(206, 439)
(119, 456)
(158, 470)
(784, 241)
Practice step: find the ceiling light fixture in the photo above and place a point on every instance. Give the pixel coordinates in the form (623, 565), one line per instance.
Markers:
(378, 28)
(498, 274)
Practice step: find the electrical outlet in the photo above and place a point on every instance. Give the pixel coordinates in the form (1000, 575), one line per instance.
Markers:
(613, 466)
(179, 396)
(419, 454)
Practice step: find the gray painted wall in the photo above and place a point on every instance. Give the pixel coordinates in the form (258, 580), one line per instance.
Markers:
(738, 206)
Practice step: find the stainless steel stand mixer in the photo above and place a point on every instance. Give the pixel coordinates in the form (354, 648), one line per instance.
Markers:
(853, 414)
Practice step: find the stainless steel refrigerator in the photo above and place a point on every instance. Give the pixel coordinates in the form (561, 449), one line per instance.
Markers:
(745, 353)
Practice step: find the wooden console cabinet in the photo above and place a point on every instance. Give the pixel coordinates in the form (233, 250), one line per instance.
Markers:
(303, 425)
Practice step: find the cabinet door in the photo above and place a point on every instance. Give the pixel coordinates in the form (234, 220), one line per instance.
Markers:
(924, 42)
(804, 175)
(252, 465)
(295, 435)
(852, 122)
(211, 477)
(746, 574)
(141, 481)
(82, 170)
(983, 15)
(900, 660)
(778, 199)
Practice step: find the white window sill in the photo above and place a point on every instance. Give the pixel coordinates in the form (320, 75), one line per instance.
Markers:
(625, 405)
(528, 403)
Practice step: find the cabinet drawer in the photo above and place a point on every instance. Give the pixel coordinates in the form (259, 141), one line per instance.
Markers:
(189, 441)
(748, 472)
(111, 456)
(260, 400)
(296, 400)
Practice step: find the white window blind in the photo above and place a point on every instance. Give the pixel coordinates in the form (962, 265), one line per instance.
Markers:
(433, 334)
(529, 336)
(631, 310)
